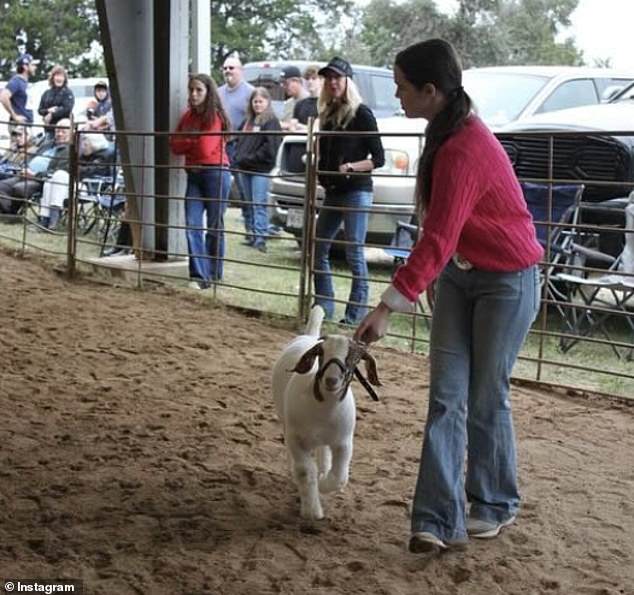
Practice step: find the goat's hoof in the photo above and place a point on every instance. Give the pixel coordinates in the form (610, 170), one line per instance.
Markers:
(331, 484)
(312, 514)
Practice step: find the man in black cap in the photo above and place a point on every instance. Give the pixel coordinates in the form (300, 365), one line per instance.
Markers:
(291, 79)
(13, 97)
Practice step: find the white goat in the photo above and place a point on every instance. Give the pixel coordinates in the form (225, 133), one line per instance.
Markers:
(311, 388)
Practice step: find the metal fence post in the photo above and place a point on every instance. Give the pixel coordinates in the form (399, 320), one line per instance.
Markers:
(543, 323)
(308, 227)
(73, 176)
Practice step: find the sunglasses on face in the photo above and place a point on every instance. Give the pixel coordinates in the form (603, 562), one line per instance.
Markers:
(228, 67)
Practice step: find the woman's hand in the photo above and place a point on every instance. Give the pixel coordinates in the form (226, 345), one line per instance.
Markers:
(374, 326)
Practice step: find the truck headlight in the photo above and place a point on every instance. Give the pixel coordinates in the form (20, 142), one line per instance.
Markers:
(396, 163)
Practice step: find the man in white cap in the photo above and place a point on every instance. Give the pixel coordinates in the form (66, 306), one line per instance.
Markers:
(13, 97)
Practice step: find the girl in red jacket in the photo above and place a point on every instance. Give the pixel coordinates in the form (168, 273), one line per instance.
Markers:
(477, 233)
(208, 179)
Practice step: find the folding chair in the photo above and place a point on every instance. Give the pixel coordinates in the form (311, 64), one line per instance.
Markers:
(595, 299)
(555, 209)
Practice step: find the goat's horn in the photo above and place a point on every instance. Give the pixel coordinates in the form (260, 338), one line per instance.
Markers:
(370, 367)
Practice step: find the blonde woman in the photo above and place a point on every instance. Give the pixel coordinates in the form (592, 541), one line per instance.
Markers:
(341, 109)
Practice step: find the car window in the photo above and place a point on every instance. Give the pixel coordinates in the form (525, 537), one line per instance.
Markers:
(500, 97)
(383, 89)
(610, 86)
(570, 94)
(625, 95)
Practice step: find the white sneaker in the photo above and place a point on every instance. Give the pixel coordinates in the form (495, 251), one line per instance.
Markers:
(424, 542)
(486, 529)
(194, 285)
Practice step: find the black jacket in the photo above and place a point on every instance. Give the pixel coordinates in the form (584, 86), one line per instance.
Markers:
(61, 98)
(257, 152)
(305, 108)
(100, 163)
(336, 150)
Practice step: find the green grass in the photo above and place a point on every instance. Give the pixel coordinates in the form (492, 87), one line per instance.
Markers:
(276, 291)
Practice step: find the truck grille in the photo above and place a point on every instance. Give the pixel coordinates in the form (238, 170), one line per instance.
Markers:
(583, 158)
(292, 158)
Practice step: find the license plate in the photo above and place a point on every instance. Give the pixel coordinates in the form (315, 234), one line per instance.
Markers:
(295, 219)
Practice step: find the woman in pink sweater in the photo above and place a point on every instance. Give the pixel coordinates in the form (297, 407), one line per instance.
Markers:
(208, 179)
(478, 238)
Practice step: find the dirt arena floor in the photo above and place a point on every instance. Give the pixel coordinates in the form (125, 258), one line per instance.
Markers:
(140, 453)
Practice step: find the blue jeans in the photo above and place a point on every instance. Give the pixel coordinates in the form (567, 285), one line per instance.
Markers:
(355, 227)
(255, 189)
(480, 321)
(207, 191)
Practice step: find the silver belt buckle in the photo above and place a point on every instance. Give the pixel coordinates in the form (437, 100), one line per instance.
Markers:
(462, 263)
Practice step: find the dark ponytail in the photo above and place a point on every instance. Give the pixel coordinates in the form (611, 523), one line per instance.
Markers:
(435, 61)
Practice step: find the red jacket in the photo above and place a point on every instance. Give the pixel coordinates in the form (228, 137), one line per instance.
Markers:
(200, 149)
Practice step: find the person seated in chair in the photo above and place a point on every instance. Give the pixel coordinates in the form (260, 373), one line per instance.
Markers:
(97, 156)
(50, 157)
(22, 147)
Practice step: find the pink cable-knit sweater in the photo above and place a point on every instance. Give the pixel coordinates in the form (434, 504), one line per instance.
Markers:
(477, 210)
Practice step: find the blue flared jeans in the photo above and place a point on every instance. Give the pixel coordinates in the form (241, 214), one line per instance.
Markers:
(480, 321)
(355, 227)
(207, 192)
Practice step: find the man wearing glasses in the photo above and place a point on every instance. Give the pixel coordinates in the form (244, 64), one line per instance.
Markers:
(235, 93)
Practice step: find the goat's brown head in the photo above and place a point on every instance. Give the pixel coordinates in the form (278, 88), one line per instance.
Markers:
(338, 358)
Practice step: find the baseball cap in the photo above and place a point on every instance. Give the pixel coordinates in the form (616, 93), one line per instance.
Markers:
(338, 66)
(25, 59)
(290, 72)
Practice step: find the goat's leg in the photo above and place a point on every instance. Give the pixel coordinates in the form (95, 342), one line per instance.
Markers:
(305, 476)
(337, 477)
(324, 461)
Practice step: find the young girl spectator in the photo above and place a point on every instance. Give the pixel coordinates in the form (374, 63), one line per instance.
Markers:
(208, 179)
(256, 154)
(341, 109)
(479, 236)
(58, 100)
(99, 112)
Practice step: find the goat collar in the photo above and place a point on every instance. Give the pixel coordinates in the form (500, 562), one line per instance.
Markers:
(347, 377)
(349, 369)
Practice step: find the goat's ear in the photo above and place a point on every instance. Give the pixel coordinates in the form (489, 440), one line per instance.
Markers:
(305, 364)
(370, 368)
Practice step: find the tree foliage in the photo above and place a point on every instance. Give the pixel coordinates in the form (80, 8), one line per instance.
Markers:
(484, 32)
(267, 29)
(53, 31)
